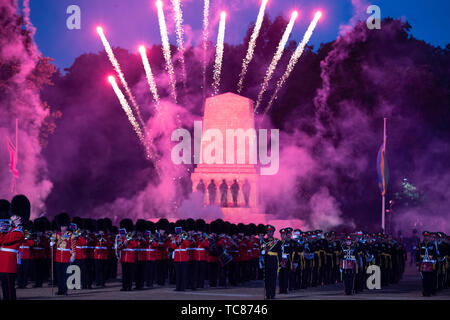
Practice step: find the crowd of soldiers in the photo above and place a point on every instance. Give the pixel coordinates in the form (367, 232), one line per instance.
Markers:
(192, 254)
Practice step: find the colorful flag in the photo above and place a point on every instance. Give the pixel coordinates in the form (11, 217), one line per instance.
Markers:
(12, 159)
(382, 170)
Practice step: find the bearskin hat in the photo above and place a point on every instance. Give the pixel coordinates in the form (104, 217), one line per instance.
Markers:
(162, 224)
(241, 228)
(126, 224)
(190, 224)
(213, 227)
(181, 223)
(140, 225)
(20, 206)
(170, 228)
(4, 209)
(150, 226)
(252, 229)
(114, 230)
(40, 225)
(62, 220)
(226, 227)
(108, 224)
(200, 225)
(220, 226)
(261, 229)
(233, 229)
(101, 225)
(88, 224)
(78, 221)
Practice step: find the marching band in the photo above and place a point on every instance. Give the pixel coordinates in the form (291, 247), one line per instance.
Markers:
(191, 254)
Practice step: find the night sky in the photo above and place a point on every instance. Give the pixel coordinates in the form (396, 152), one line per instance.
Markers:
(128, 23)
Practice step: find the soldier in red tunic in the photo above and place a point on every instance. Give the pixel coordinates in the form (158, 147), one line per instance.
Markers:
(101, 252)
(141, 256)
(80, 243)
(179, 244)
(64, 253)
(10, 242)
(26, 258)
(127, 245)
(201, 245)
(40, 251)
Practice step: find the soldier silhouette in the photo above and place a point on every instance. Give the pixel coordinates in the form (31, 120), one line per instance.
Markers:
(223, 193)
(201, 187)
(212, 189)
(246, 191)
(234, 192)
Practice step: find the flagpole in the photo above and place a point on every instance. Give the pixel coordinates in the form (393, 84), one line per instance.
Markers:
(17, 151)
(383, 203)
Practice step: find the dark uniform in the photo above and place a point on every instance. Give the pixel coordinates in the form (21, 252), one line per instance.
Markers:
(426, 262)
(286, 260)
(348, 265)
(271, 251)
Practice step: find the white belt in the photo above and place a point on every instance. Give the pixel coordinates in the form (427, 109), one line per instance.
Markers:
(191, 249)
(128, 249)
(101, 248)
(200, 249)
(176, 250)
(24, 247)
(38, 248)
(61, 249)
(9, 250)
(77, 247)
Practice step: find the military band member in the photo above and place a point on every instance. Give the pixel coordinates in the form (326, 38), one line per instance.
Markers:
(80, 243)
(285, 261)
(101, 253)
(348, 265)
(40, 251)
(271, 251)
(10, 242)
(126, 247)
(64, 253)
(26, 258)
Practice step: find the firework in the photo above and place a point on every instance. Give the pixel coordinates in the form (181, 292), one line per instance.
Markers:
(149, 74)
(205, 39)
(251, 45)
(294, 59)
(166, 48)
(219, 52)
(119, 72)
(276, 58)
(178, 15)
(126, 107)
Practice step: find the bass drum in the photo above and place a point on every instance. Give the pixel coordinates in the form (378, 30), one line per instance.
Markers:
(426, 267)
(347, 264)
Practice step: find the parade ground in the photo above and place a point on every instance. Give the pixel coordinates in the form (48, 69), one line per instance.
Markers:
(409, 288)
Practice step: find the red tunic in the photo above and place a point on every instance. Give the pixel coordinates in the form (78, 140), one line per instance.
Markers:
(25, 249)
(180, 253)
(256, 250)
(128, 251)
(80, 248)
(101, 249)
(142, 250)
(63, 245)
(41, 248)
(9, 249)
(202, 247)
(210, 258)
(90, 246)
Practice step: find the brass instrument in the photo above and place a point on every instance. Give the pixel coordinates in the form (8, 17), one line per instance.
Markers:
(184, 235)
(28, 235)
(129, 236)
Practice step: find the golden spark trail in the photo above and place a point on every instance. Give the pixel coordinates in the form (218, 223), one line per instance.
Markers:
(276, 58)
(251, 45)
(294, 59)
(119, 72)
(219, 53)
(149, 74)
(178, 15)
(129, 113)
(205, 40)
(166, 49)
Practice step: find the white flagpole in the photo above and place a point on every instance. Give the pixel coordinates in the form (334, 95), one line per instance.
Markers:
(383, 204)
(17, 152)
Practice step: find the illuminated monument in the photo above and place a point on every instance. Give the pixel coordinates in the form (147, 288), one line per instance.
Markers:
(231, 116)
